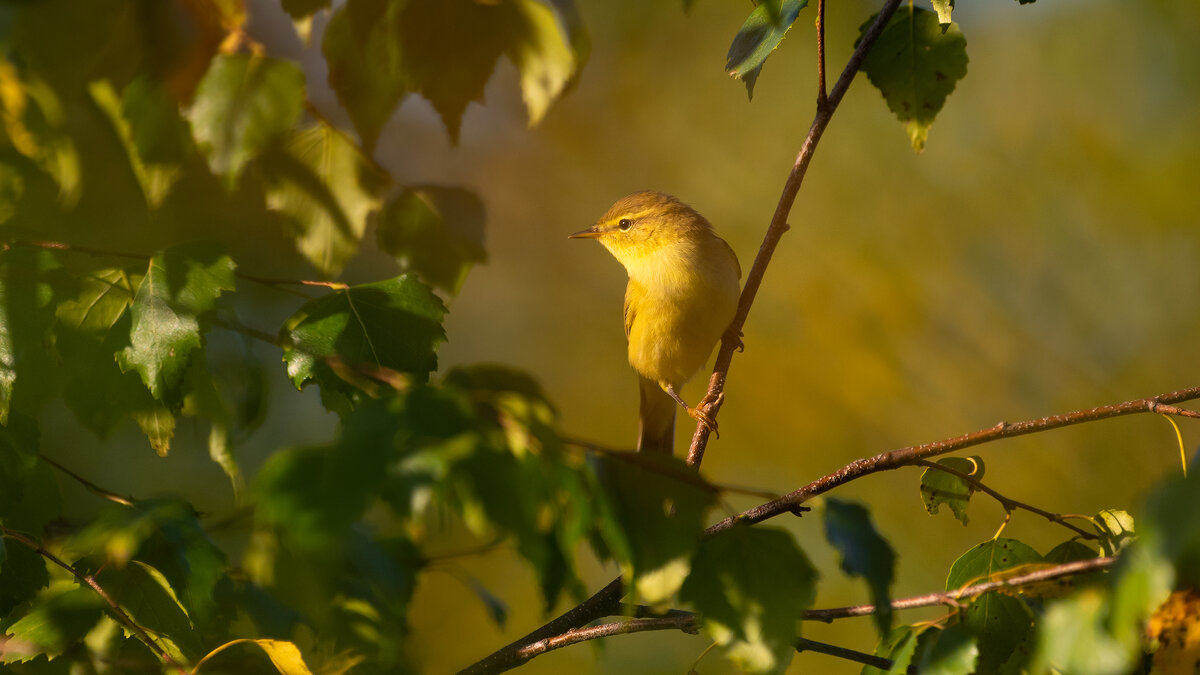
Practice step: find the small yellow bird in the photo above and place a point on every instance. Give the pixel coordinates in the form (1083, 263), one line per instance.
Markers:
(682, 294)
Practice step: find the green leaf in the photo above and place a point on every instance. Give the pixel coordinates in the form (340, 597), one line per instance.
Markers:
(103, 297)
(1070, 551)
(952, 651)
(549, 51)
(916, 64)
(285, 656)
(1074, 638)
(58, 619)
(394, 324)
(147, 596)
(761, 33)
(18, 463)
(1003, 626)
(436, 232)
(155, 179)
(324, 189)
(898, 646)
(1116, 530)
(244, 104)
(940, 487)
(865, 553)
(160, 134)
(985, 561)
(23, 575)
(182, 284)
(366, 63)
(35, 124)
(29, 280)
(652, 510)
(751, 585)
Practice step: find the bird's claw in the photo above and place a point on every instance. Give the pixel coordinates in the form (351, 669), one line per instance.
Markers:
(735, 336)
(700, 412)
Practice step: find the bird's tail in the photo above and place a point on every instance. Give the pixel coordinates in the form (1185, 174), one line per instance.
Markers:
(656, 428)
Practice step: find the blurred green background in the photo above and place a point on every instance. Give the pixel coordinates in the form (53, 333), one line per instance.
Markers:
(1040, 256)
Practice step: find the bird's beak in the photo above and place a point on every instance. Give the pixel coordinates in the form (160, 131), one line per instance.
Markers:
(590, 233)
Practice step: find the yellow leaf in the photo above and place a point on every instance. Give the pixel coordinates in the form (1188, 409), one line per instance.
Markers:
(1176, 627)
(285, 656)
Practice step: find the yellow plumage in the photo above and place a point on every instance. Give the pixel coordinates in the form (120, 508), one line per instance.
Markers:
(682, 294)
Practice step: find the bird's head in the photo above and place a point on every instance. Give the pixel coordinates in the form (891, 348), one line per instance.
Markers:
(644, 223)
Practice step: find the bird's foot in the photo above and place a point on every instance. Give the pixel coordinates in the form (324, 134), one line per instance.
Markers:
(700, 412)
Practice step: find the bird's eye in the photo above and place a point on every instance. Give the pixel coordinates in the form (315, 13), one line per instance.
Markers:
(625, 224)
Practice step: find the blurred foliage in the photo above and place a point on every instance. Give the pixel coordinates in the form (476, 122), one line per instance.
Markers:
(174, 174)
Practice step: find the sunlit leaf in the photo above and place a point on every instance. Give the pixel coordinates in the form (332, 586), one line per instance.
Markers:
(916, 64)
(324, 189)
(652, 515)
(751, 585)
(146, 595)
(243, 104)
(1073, 638)
(160, 134)
(35, 123)
(548, 53)
(944, 8)
(182, 284)
(1116, 530)
(285, 656)
(61, 617)
(366, 63)
(104, 296)
(865, 553)
(940, 487)
(436, 232)
(395, 324)
(762, 32)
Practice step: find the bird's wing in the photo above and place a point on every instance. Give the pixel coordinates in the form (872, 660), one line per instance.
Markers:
(633, 293)
(732, 255)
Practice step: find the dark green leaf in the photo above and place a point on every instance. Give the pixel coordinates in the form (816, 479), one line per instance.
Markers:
(751, 585)
(916, 65)
(394, 324)
(147, 596)
(940, 487)
(762, 32)
(59, 619)
(155, 180)
(18, 463)
(983, 562)
(23, 575)
(366, 63)
(29, 280)
(436, 232)
(324, 189)
(865, 553)
(1170, 525)
(1003, 626)
(243, 104)
(182, 284)
(496, 607)
(652, 512)
(1070, 551)
(159, 132)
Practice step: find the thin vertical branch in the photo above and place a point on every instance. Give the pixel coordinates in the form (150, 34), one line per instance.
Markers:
(779, 225)
(822, 94)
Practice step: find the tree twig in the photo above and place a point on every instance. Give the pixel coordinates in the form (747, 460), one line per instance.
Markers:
(1008, 503)
(952, 598)
(779, 225)
(895, 459)
(89, 485)
(115, 608)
